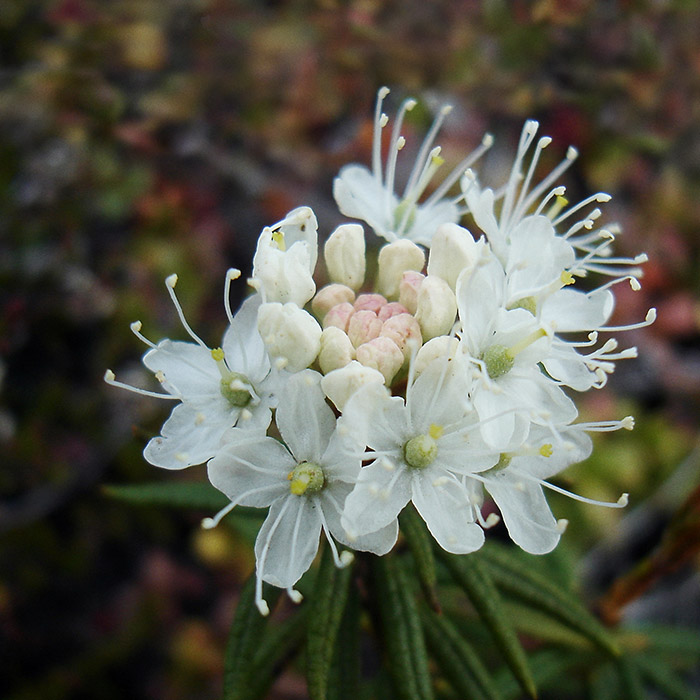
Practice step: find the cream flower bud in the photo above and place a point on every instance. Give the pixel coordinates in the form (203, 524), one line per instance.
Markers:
(394, 259)
(291, 335)
(408, 289)
(339, 316)
(441, 346)
(363, 326)
(331, 295)
(382, 354)
(369, 302)
(340, 384)
(453, 250)
(344, 253)
(405, 331)
(336, 350)
(437, 307)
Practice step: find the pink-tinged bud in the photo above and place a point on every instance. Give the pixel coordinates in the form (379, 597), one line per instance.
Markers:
(344, 253)
(393, 308)
(393, 260)
(408, 289)
(405, 331)
(328, 297)
(437, 307)
(453, 250)
(363, 326)
(339, 316)
(336, 350)
(369, 302)
(382, 354)
(340, 384)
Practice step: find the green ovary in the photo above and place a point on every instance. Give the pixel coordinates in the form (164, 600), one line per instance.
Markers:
(234, 389)
(420, 451)
(306, 477)
(498, 360)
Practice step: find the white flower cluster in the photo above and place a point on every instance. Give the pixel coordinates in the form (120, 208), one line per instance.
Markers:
(435, 383)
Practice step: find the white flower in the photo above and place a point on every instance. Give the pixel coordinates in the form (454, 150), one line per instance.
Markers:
(422, 450)
(344, 253)
(305, 483)
(369, 195)
(228, 386)
(285, 259)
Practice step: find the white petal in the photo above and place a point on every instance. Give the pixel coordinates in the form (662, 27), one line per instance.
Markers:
(288, 540)
(571, 310)
(242, 345)
(358, 194)
(188, 437)
(251, 470)
(303, 417)
(447, 511)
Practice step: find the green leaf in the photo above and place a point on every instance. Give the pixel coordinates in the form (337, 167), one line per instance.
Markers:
(512, 576)
(630, 680)
(245, 639)
(679, 643)
(604, 684)
(457, 659)
(344, 682)
(401, 629)
(664, 678)
(327, 606)
(474, 578)
(420, 544)
(280, 644)
(185, 494)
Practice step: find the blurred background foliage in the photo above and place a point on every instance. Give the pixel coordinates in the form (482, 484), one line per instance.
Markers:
(140, 138)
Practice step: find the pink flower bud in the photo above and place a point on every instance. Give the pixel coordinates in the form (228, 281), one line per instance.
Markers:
(408, 289)
(363, 326)
(369, 302)
(381, 354)
(404, 330)
(328, 297)
(393, 308)
(339, 316)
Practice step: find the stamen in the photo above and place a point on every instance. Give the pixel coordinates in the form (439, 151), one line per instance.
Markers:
(380, 121)
(557, 192)
(110, 379)
(170, 283)
(294, 595)
(600, 197)
(210, 523)
(648, 320)
(231, 274)
(394, 147)
(136, 330)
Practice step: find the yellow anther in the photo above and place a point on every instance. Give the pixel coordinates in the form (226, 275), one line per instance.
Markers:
(567, 278)
(546, 450)
(217, 354)
(278, 240)
(437, 161)
(435, 431)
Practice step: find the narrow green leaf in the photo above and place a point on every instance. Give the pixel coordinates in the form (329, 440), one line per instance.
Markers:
(474, 578)
(457, 659)
(247, 632)
(184, 494)
(327, 606)
(401, 628)
(661, 676)
(675, 641)
(511, 576)
(280, 644)
(344, 682)
(630, 680)
(604, 684)
(420, 544)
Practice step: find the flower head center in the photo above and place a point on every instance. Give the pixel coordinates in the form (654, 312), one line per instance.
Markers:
(499, 359)
(421, 450)
(234, 386)
(306, 477)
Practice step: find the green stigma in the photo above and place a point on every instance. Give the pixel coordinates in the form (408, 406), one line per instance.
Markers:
(498, 360)
(234, 390)
(420, 451)
(306, 477)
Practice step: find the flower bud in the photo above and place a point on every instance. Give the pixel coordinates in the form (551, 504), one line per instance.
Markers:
(441, 346)
(336, 350)
(394, 259)
(339, 316)
(392, 308)
(331, 295)
(453, 250)
(290, 334)
(363, 326)
(437, 307)
(340, 384)
(369, 302)
(408, 289)
(344, 252)
(382, 354)
(405, 331)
